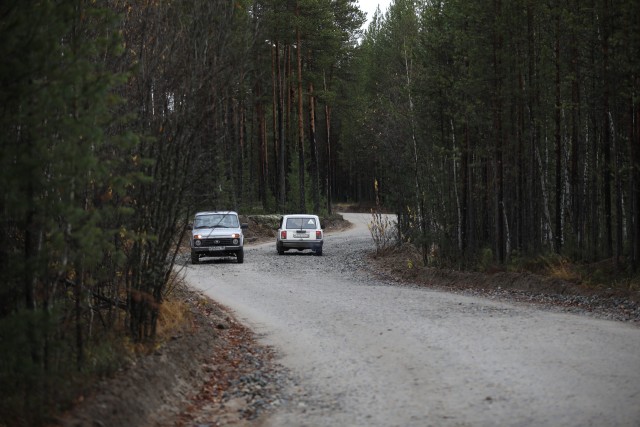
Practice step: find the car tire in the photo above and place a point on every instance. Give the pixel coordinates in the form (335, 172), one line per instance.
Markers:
(280, 249)
(240, 256)
(319, 251)
(195, 258)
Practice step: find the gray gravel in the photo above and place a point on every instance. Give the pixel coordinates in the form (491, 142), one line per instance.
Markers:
(360, 350)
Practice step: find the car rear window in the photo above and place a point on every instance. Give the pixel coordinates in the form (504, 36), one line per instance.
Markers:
(301, 223)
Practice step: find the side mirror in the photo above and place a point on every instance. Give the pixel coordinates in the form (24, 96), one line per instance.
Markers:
(244, 226)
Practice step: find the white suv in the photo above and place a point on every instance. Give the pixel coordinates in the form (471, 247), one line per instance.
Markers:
(300, 232)
(217, 234)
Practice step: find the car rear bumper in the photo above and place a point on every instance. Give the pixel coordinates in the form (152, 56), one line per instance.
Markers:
(304, 244)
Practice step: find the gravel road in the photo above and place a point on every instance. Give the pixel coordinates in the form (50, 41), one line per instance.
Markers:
(365, 352)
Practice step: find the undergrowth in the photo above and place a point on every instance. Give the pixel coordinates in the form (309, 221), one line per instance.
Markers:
(383, 231)
(604, 278)
(31, 392)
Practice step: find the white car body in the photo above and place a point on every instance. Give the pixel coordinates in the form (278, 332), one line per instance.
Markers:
(300, 232)
(217, 234)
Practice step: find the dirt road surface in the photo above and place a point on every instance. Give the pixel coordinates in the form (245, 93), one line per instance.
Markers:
(367, 352)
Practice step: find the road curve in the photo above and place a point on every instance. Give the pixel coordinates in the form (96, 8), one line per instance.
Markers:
(370, 353)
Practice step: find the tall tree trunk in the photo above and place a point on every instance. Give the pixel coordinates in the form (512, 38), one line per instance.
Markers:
(240, 148)
(263, 155)
(282, 183)
(618, 190)
(301, 174)
(313, 148)
(606, 139)
(520, 214)
(498, 134)
(230, 148)
(329, 167)
(558, 142)
(275, 101)
(408, 65)
(634, 141)
(533, 237)
(464, 179)
(574, 180)
(594, 193)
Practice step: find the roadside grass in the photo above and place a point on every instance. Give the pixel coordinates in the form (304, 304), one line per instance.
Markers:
(174, 316)
(32, 394)
(548, 273)
(605, 277)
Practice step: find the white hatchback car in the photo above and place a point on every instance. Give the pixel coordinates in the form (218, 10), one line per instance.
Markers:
(300, 232)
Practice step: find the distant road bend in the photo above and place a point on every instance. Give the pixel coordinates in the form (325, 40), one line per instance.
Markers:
(371, 353)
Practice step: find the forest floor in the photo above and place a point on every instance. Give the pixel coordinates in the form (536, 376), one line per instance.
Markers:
(212, 371)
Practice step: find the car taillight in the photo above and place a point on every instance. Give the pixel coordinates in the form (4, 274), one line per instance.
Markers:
(283, 234)
(318, 234)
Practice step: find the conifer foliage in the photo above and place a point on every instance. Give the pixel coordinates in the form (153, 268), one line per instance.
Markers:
(62, 197)
(507, 128)
(493, 128)
(122, 118)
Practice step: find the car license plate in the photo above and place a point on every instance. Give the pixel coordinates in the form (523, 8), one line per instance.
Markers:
(215, 248)
(299, 235)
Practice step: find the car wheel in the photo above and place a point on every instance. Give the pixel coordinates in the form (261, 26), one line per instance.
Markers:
(240, 256)
(280, 249)
(195, 258)
(319, 251)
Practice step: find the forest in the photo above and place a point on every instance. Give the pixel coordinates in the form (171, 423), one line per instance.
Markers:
(497, 131)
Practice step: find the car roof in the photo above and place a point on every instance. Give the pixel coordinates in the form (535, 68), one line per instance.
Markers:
(300, 216)
(216, 212)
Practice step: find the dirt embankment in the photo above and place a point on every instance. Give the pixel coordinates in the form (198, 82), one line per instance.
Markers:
(621, 303)
(159, 385)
